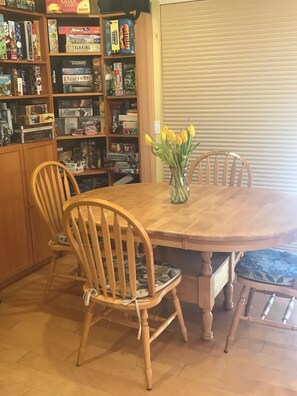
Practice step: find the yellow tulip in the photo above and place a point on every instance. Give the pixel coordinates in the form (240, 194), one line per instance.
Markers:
(163, 134)
(148, 139)
(191, 130)
(179, 139)
(184, 135)
(171, 136)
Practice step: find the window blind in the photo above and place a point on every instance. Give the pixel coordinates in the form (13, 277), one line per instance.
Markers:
(230, 68)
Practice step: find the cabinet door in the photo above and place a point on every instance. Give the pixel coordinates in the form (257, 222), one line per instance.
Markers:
(15, 241)
(35, 154)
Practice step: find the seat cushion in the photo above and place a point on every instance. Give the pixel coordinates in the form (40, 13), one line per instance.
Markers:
(272, 266)
(164, 274)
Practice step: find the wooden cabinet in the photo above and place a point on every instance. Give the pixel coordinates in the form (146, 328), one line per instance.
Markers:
(24, 236)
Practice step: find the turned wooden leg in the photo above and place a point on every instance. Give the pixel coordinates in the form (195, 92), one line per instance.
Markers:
(236, 317)
(228, 288)
(51, 271)
(146, 349)
(206, 295)
(180, 316)
(86, 329)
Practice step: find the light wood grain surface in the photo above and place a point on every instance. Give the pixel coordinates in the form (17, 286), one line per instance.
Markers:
(215, 218)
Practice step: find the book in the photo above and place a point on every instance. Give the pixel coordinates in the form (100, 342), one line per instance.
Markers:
(11, 44)
(87, 47)
(85, 63)
(76, 112)
(114, 36)
(3, 53)
(19, 41)
(75, 103)
(77, 79)
(32, 109)
(26, 26)
(128, 117)
(68, 7)
(36, 40)
(79, 30)
(129, 78)
(5, 84)
(127, 41)
(52, 27)
(76, 70)
(97, 79)
(66, 125)
(28, 5)
(118, 78)
(35, 80)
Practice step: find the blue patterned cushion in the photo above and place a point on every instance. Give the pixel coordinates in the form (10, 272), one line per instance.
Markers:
(269, 266)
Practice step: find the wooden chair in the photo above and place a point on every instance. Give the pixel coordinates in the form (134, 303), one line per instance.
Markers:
(52, 184)
(224, 168)
(221, 167)
(121, 281)
(269, 271)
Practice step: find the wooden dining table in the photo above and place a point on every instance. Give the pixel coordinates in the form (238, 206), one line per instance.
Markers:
(214, 219)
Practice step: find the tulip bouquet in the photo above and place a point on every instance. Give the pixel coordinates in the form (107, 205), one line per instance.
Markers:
(175, 150)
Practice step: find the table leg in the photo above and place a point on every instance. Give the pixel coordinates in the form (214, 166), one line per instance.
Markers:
(206, 295)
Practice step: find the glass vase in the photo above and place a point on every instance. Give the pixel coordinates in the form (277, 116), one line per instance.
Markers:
(179, 188)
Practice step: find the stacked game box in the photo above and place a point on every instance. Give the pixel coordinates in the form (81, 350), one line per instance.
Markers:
(79, 38)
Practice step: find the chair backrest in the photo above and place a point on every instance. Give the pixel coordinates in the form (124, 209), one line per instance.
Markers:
(105, 238)
(221, 167)
(52, 184)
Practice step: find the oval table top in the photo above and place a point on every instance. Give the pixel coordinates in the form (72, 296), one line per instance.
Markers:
(215, 218)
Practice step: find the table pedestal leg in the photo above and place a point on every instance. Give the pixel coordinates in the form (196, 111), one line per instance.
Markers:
(206, 295)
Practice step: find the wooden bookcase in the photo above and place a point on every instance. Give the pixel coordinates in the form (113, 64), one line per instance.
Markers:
(24, 235)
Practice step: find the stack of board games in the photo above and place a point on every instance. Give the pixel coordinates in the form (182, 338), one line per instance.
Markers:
(79, 38)
(120, 79)
(77, 75)
(78, 117)
(68, 7)
(119, 36)
(123, 158)
(28, 5)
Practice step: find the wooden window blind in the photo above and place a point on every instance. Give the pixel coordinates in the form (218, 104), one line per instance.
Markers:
(230, 68)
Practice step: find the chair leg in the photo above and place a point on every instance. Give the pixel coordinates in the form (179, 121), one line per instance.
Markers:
(228, 295)
(51, 271)
(146, 349)
(236, 317)
(180, 316)
(86, 329)
(249, 301)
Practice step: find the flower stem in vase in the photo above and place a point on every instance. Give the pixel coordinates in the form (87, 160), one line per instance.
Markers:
(178, 187)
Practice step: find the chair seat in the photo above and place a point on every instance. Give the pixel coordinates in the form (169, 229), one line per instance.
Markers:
(272, 266)
(164, 274)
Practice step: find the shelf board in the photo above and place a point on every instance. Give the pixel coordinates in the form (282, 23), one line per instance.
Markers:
(117, 56)
(58, 15)
(22, 61)
(64, 54)
(73, 137)
(63, 95)
(14, 97)
(92, 172)
(19, 11)
(121, 135)
(121, 97)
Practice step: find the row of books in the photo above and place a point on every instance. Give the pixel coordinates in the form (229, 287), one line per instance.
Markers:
(78, 117)
(77, 75)
(119, 36)
(19, 40)
(28, 5)
(120, 79)
(25, 80)
(73, 38)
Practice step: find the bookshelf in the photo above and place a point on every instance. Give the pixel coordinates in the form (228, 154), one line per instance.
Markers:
(20, 222)
(120, 100)
(77, 94)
